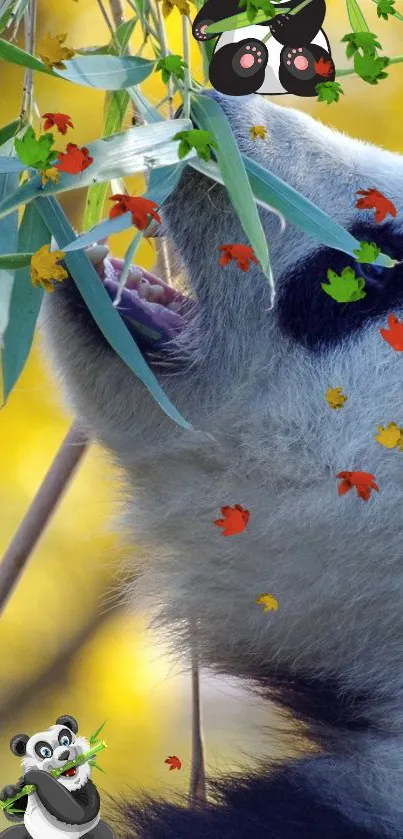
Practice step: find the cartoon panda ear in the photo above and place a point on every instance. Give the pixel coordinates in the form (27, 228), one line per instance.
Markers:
(69, 722)
(18, 744)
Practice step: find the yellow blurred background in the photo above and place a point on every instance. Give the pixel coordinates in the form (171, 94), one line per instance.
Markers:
(63, 648)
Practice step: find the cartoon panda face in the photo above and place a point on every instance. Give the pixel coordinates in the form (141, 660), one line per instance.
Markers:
(52, 748)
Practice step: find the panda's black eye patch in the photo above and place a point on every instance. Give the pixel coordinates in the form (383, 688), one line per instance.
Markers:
(43, 750)
(314, 319)
(65, 737)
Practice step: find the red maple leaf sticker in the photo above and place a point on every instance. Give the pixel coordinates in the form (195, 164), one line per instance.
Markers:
(174, 762)
(61, 121)
(394, 334)
(73, 160)
(374, 200)
(234, 520)
(140, 208)
(323, 68)
(243, 254)
(364, 483)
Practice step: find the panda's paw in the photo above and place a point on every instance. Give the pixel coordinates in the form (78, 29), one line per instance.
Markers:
(199, 30)
(239, 69)
(11, 790)
(250, 58)
(303, 68)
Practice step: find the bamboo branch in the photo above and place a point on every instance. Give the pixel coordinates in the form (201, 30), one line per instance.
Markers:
(106, 18)
(117, 12)
(28, 88)
(350, 71)
(42, 507)
(165, 52)
(197, 790)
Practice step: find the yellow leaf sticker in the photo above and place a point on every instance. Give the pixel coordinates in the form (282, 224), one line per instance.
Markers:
(52, 53)
(51, 174)
(44, 268)
(257, 131)
(335, 398)
(390, 437)
(268, 601)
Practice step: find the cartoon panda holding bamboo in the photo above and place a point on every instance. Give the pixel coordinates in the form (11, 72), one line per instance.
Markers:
(288, 53)
(66, 807)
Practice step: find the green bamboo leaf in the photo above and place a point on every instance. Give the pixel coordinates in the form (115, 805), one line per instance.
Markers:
(124, 33)
(25, 302)
(101, 308)
(13, 261)
(9, 131)
(356, 17)
(209, 116)
(94, 736)
(105, 72)
(8, 238)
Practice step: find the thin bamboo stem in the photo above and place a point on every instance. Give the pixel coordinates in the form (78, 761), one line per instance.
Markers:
(186, 58)
(197, 790)
(42, 507)
(165, 52)
(117, 12)
(28, 89)
(106, 18)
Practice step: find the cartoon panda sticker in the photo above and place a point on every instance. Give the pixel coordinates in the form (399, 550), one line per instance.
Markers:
(64, 808)
(289, 53)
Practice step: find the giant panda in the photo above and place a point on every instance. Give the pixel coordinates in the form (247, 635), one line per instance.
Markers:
(295, 59)
(66, 807)
(252, 381)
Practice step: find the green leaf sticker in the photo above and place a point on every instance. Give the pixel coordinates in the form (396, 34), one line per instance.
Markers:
(345, 287)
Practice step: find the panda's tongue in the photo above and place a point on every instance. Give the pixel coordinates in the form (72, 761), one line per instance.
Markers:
(70, 772)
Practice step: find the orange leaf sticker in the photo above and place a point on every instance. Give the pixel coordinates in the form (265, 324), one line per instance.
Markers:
(74, 160)
(141, 209)
(234, 520)
(394, 334)
(374, 200)
(174, 762)
(323, 67)
(268, 601)
(243, 254)
(61, 121)
(53, 53)
(44, 268)
(364, 483)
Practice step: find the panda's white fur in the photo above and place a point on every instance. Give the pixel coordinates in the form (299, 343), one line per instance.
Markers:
(335, 564)
(39, 823)
(271, 84)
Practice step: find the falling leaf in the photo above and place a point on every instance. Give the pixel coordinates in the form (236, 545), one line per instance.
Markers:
(44, 268)
(61, 121)
(74, 160)
(390, 437)
(345, 287)
(257, 131)
(234, 520)
(367, 252)
(394, 334)
(174, 762)
(329, 92)
(52, 53)
(323, 67)
(51, 174)
(169, 5)
(201, 141)
(243, 255)
(268, 601)
(375, 200)
(364, 483)
(35, 151)
(142, 209)
(171, 65)
(335, 398)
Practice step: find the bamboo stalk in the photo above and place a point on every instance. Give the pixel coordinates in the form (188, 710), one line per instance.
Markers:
(117, 12)
(165, 52)
(42, 507)
(28, 88)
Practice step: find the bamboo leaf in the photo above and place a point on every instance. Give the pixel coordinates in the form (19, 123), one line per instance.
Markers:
(210, 116)
(94, 736)
(25, 302)
(356, 17)
(101, 308)
(105, 72)
(13, 261)
(8, 238)
(302, 212)
(9, 131)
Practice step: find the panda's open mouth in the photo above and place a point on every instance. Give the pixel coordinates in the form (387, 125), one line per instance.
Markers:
(153, 311)
(70, 773)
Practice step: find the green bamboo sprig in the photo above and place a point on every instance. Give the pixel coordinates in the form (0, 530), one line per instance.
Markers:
(71, 764)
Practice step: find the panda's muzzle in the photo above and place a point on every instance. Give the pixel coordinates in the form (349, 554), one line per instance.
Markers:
(64, 756)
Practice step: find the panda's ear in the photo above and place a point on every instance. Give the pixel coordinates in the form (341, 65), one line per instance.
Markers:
(69, 722)
(18, 744)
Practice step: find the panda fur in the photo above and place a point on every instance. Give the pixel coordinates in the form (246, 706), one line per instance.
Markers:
(252, 381)
(64, 808)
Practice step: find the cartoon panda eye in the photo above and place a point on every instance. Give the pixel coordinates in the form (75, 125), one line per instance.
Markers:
(65, 737)
(43, 750)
